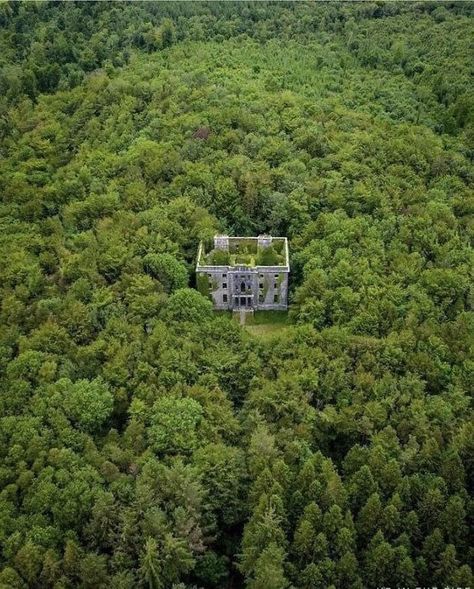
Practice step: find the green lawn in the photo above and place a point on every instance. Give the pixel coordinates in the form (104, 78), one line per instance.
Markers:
(268, 317)
(267, 323)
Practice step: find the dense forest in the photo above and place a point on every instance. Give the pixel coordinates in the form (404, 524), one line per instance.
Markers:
(149, 442)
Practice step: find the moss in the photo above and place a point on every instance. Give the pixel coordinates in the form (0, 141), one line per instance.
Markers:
(278, 245)
(205, 285)
(263, 291)
(202, 283)
(268, 257)
(244, 259)
(243, 246)
(219, 258)
(244, 256)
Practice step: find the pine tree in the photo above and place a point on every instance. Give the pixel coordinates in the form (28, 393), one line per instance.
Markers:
(269, 569)
(150, 565)
(370, 517)
(446, 566)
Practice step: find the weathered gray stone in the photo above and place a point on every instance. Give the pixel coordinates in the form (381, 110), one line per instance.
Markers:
(245, 284)
(221, 242)
(264, 240)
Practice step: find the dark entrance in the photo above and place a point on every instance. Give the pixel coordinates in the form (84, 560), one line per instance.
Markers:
(241, 301)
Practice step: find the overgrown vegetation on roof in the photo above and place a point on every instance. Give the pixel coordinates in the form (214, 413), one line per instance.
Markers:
(245, 252)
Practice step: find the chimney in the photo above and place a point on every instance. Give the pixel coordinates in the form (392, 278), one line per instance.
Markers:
(221, 242)
(264, 241)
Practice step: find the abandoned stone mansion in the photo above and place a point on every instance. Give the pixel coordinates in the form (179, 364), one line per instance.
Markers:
(244, 272)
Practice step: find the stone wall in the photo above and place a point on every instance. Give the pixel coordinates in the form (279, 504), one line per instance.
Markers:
(264, 287)
(221, 242)
(256, 287)
(274, 294)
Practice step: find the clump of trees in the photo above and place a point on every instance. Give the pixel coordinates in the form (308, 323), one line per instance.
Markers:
(218, 258)
(267, 256)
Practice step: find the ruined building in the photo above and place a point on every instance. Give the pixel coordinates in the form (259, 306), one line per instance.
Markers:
(244, 272)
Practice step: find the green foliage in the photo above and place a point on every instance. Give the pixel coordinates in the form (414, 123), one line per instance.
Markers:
(163, 564)
(146, 441)
(202, 284)
(267, 256)
(165, 268)
(269, 570)
(173, 424)
(87, 403)
(167, 32)
(219, 258)
(188, 305)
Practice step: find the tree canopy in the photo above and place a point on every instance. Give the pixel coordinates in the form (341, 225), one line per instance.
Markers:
(146, 441)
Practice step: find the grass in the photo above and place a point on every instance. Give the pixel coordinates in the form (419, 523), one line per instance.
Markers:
(267, 330)
(261, 257)
(262, 324)
(266, 324)
(268, 318)
(223, 312)
(242, 259)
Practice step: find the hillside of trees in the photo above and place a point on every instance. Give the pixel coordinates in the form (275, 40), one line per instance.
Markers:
(148, 442)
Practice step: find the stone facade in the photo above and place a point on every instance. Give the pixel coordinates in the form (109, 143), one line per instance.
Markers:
(251, 285)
